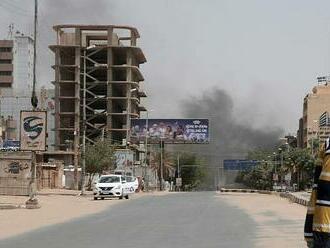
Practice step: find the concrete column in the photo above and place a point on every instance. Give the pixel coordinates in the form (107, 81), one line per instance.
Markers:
(76, 139)
(57, 100)
(129, 79)
(109, 85)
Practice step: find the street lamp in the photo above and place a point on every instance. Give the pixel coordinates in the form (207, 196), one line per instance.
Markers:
(274, 153)
(146, 148)
(280, 150)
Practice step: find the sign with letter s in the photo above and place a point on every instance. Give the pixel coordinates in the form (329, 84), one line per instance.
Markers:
(33, 129)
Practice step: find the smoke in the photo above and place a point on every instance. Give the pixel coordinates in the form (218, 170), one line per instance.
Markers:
(65, 12)
(230, 135)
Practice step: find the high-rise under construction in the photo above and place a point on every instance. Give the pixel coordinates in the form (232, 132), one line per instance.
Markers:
(97, 83)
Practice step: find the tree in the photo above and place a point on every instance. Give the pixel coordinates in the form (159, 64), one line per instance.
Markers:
(300, 162)
(168, 162)
(192, 171)
(99, 158)
(258, 177)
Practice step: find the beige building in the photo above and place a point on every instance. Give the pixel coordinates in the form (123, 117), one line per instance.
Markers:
(315, 104)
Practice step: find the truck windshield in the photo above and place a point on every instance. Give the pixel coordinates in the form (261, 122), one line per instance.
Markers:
(109, 180)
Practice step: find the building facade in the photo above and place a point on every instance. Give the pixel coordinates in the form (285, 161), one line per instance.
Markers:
(315, 104)
(97, 84)
(16, 77)
(6, 63)
(300, 134)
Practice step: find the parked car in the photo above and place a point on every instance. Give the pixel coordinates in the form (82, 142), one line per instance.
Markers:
(132, 183)
(111, 186)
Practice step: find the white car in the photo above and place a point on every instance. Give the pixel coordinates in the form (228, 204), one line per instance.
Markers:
(132, 183)
(111, 186)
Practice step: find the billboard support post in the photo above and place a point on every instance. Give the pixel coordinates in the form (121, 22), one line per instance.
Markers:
(178, 187)
(146, 178)
(161, 164)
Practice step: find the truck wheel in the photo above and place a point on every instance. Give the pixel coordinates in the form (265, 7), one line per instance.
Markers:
(126, 197)
(95, 198)
(102, 198)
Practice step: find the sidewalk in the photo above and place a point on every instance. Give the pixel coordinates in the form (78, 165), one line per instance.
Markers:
(13, 202)
(57, 206)
(300, 197)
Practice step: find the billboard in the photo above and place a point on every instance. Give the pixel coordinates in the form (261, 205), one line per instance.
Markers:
(239, 164)
(33, 128)
(191, 131)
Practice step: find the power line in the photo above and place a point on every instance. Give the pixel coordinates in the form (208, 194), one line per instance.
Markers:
(13, 10)
(16, 7)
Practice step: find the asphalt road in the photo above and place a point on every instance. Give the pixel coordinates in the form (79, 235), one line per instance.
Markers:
(194, 220)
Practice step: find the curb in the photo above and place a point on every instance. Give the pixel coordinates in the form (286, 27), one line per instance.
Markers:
(10, 206)
(61, 194)
(64, 194)
(295, 199)
(291, 197)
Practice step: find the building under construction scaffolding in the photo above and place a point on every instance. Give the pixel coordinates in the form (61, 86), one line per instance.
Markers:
(97, 83)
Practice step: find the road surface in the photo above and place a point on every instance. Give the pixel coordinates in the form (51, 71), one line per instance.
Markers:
(185, 220)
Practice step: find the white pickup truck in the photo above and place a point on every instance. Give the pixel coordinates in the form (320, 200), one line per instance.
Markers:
(111, 186)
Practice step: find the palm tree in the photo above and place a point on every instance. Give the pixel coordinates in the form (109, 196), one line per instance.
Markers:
(168, 162)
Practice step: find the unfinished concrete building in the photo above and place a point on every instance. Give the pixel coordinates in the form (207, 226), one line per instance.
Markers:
(97, 83)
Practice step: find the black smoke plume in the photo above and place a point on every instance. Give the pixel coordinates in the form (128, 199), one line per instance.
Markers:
(230, 137)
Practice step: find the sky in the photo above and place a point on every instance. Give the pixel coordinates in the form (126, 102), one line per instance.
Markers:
(264, 54)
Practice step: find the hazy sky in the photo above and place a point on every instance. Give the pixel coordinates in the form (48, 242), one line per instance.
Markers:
(266, 54)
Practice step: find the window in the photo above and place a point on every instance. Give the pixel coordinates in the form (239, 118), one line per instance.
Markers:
(5, 61)
(5, 49)
(5, 73)
(109, 180)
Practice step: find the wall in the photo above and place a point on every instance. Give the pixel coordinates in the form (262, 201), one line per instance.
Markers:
(15, 173)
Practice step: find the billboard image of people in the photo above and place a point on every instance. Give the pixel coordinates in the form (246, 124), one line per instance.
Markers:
(170, 130)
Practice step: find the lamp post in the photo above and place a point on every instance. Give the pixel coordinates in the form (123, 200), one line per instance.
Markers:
(280, 151)
(146, 177)
(274, 153)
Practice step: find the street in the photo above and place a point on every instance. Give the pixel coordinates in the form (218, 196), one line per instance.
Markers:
(201, 220)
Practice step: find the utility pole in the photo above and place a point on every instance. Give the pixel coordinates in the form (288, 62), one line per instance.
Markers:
(33, 201)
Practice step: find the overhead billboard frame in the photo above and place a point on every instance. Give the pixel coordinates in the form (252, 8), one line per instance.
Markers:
(171, 131)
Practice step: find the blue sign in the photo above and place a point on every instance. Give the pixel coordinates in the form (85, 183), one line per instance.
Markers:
(11, 145)
(191, 131)
(239, 164)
